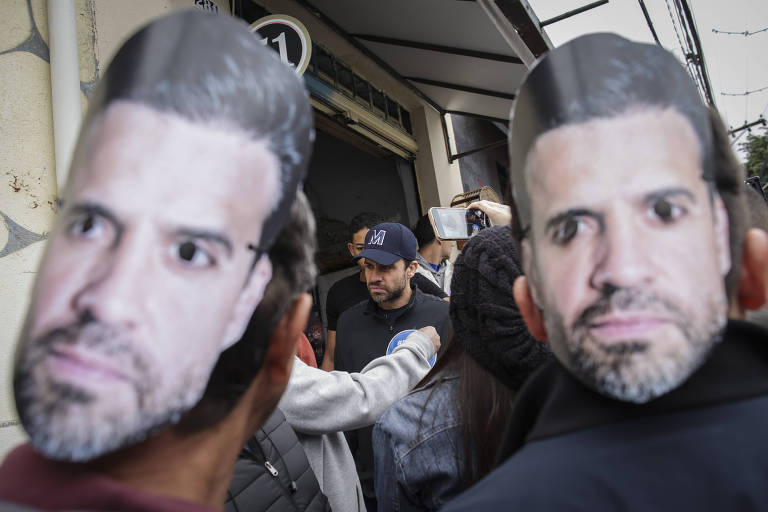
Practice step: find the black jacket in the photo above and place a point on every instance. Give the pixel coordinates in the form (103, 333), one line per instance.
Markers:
(273, 473)
(364, 330)
(348, 291)
(699, 447)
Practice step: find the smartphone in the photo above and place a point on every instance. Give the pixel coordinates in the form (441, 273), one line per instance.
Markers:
(457, 223)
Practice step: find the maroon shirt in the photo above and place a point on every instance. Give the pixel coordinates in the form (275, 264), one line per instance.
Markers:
(27, 478)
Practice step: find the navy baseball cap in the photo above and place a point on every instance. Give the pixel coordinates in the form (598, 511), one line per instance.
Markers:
(387, 242)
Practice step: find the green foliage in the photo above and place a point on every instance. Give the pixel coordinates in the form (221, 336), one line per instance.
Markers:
(756, 147)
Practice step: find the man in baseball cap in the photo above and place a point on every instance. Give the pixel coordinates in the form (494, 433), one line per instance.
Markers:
(389, 242)
(364, 330)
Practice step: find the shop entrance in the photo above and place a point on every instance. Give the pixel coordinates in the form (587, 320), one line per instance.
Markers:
(349, 175)
(345, 180)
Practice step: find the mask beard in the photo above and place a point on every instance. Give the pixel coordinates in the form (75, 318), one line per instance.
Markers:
(636, 370)
(72, 423)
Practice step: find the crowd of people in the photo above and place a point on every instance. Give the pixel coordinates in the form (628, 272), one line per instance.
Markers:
(595, 350)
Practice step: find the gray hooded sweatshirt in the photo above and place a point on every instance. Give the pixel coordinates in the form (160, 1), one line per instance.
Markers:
(320, 405)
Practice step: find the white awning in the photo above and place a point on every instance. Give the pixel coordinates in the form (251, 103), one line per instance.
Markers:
(451, 51)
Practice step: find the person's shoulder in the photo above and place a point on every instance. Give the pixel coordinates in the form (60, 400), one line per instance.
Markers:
(357, 309)
(416, 418)
(352, 313)
(417, 405)
(340, 286)
(492, 493)
(431, 300)
(426, 286)
(512, 486)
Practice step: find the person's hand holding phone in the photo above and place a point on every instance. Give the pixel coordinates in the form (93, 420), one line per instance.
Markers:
(500, 214)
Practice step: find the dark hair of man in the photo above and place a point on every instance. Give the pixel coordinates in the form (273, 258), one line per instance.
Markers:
(365, 220)
(599, 76)
(208, 68)
(729, 176)
(293, 272)
(423, 231)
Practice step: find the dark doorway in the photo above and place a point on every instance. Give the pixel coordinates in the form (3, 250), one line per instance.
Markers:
(345, 180)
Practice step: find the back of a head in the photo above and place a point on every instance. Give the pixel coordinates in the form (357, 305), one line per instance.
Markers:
(423, 231)
(293, 273)
(485, 318)
(208, 68)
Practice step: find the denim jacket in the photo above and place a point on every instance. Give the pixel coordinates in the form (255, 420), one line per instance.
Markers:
(418, 451)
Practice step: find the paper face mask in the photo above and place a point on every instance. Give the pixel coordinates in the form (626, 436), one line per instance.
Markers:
(196, 136)
(610, 153)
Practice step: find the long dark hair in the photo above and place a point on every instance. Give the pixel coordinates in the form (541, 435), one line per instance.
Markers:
(483, 404)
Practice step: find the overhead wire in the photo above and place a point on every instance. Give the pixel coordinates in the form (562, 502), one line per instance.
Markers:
(745, 33)
(745, 93)
(680, 42)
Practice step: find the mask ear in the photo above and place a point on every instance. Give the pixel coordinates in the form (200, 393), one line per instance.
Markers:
(249, 298)
(529, 309)
(752, 282)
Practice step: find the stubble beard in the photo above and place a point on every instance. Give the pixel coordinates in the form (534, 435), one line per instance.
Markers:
(71, 423)
(391, 295)
(636, 370)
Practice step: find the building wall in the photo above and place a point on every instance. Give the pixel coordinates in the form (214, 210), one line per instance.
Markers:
(438, 180)
(481, 168)
(28, 188)
(27, 177)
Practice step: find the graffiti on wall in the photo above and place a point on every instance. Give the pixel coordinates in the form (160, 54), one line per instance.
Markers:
(34, 43)
(18, 236)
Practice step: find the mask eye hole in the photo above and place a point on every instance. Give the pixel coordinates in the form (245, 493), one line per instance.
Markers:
(191, 254)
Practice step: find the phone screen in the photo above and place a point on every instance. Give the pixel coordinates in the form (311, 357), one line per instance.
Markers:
(457, 223)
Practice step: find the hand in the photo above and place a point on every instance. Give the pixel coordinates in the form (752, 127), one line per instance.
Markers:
(431, 333)
(500, 214)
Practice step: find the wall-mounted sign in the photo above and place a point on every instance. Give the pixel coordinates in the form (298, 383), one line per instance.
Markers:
(288, 37)
(207, 5)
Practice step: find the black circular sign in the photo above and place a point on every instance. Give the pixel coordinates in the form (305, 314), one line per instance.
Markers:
(288, 37)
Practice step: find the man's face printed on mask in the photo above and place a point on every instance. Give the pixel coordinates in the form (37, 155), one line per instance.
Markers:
(145, 266)
(627, 251)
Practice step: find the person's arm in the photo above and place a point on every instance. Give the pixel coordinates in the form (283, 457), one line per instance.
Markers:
(500, 214)
(332, 314)
(389, 494)
(318, 402)
(305, 352)
(330, 348)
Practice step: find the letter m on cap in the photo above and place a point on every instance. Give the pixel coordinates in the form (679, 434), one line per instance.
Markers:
(377, 237)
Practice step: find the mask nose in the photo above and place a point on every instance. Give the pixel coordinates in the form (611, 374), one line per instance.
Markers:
(622, 259)
(111, 293)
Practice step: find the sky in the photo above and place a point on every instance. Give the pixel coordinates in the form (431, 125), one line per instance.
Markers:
(736, 63)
